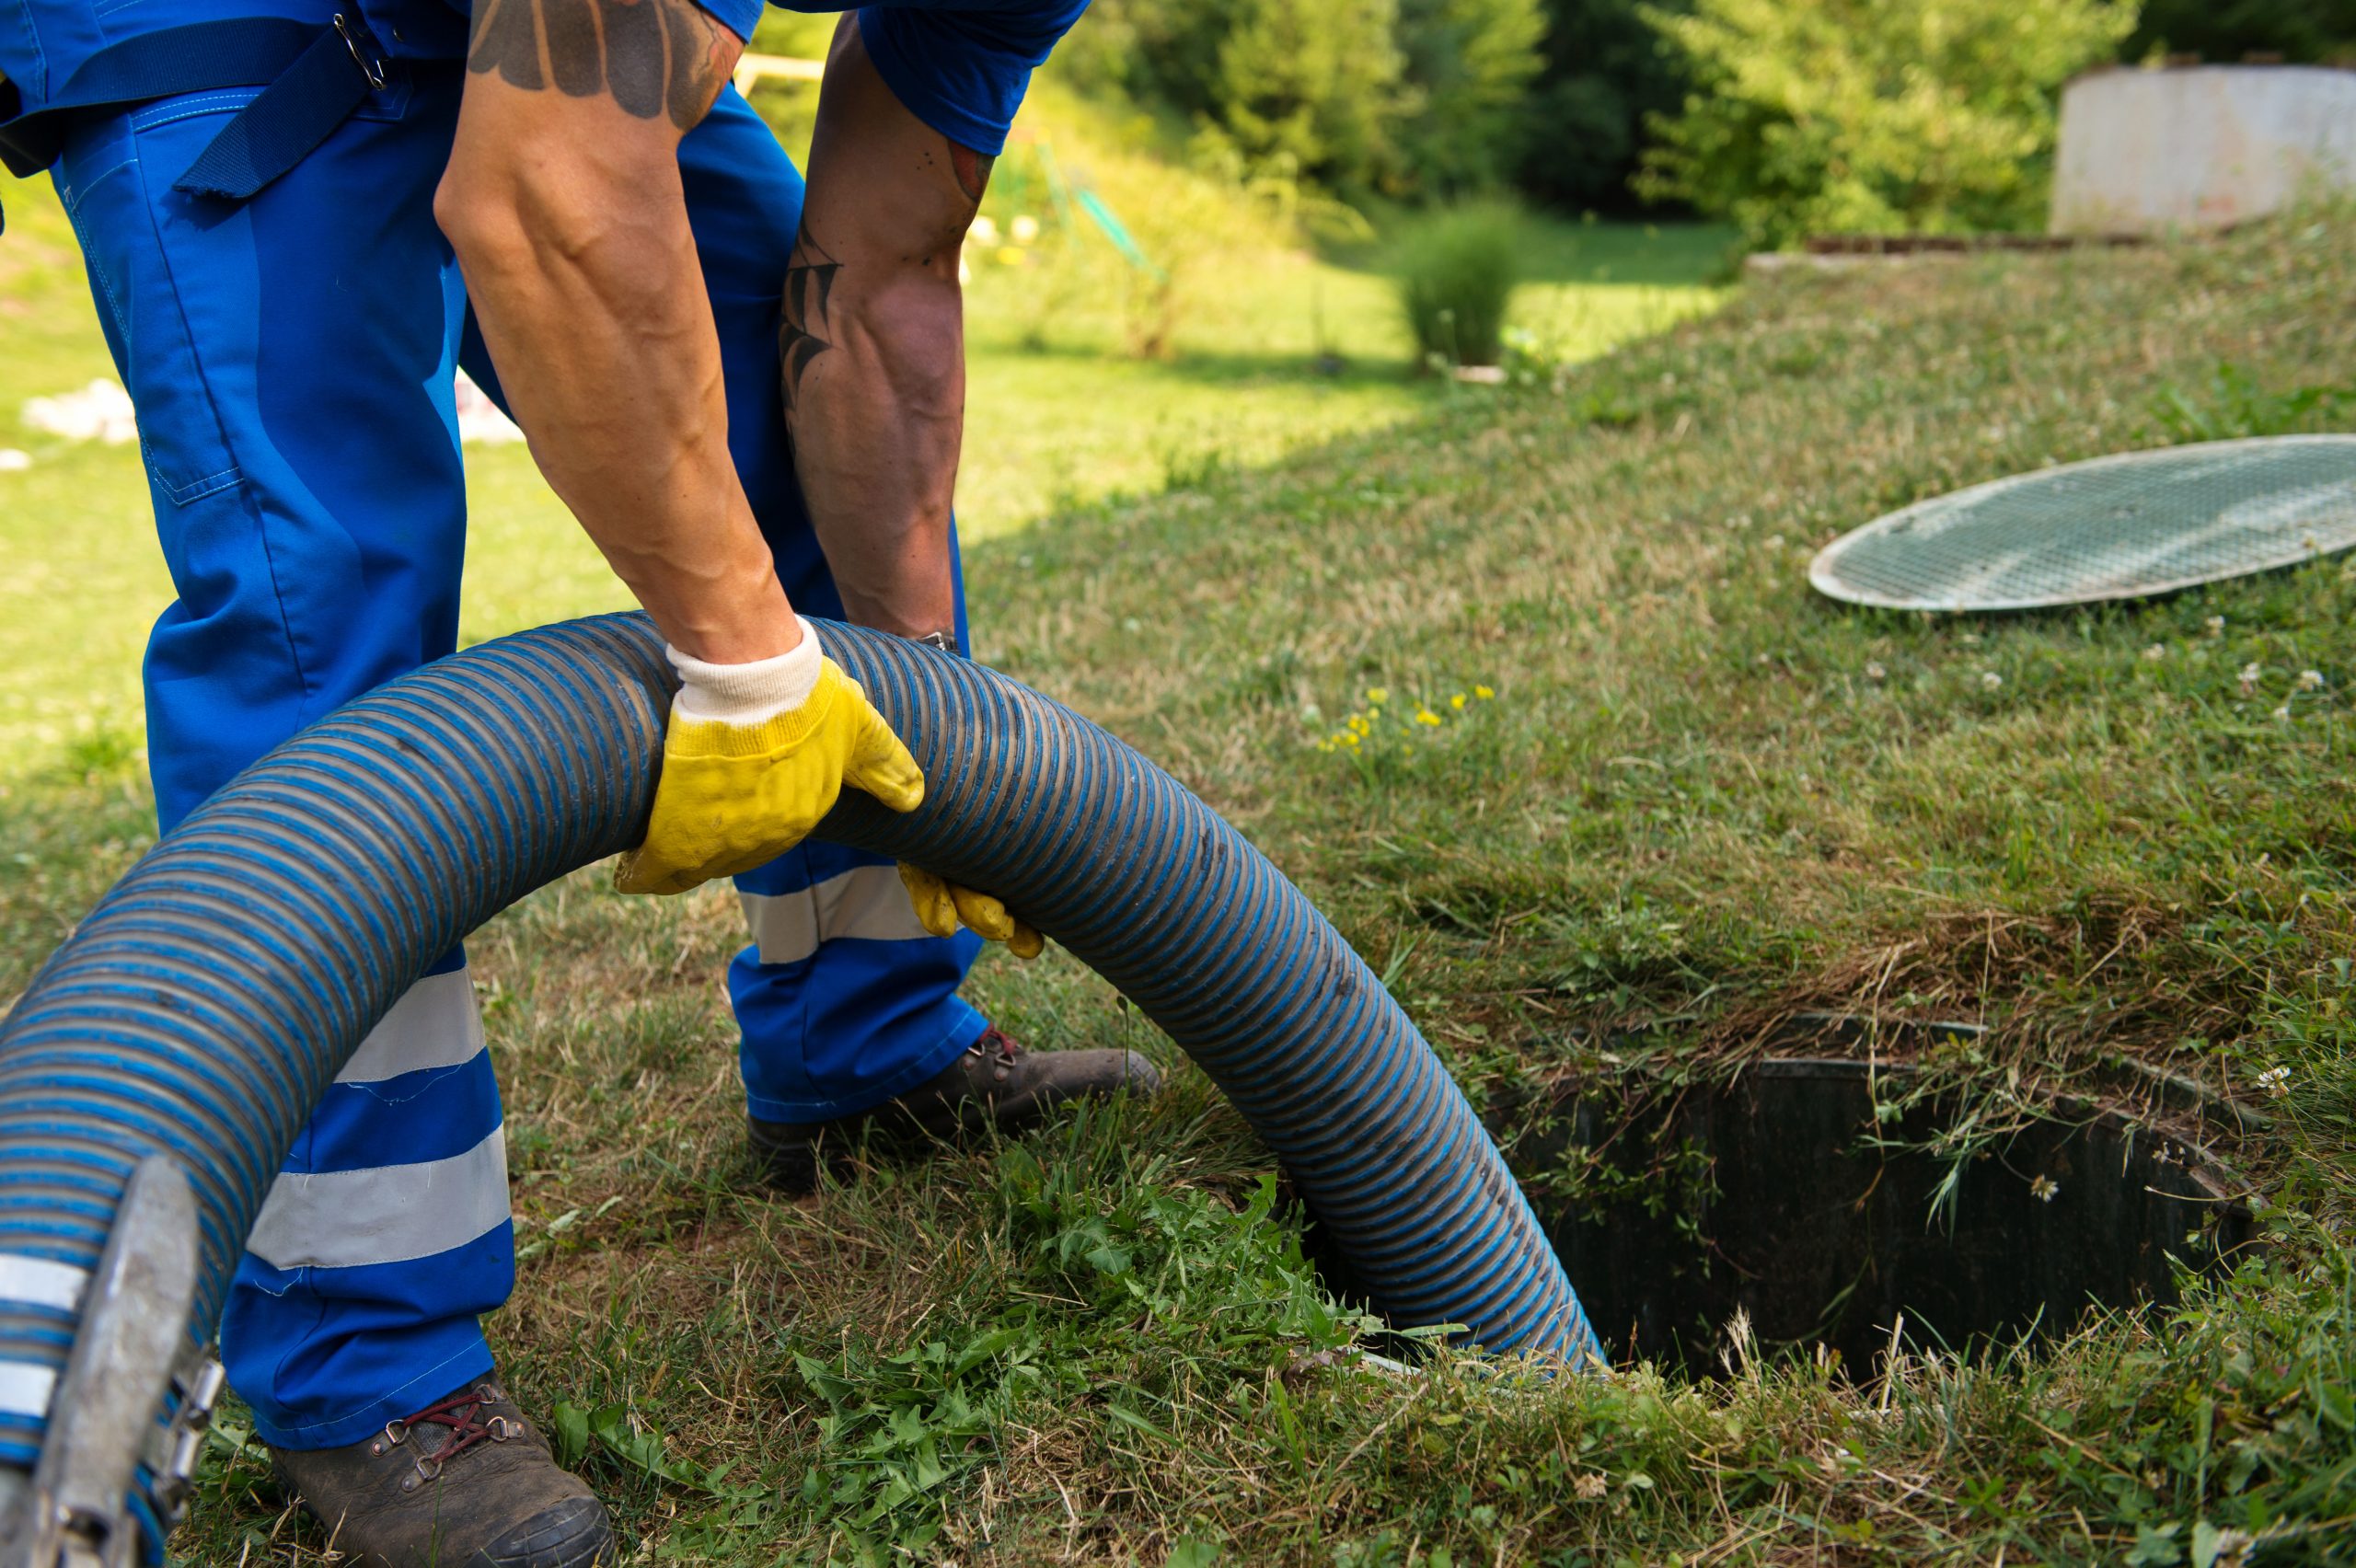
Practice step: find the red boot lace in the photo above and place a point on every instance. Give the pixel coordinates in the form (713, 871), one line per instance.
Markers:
(995, 1042)
(461, 1415)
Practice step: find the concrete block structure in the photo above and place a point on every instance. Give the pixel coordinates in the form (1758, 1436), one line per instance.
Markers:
(2198, 148)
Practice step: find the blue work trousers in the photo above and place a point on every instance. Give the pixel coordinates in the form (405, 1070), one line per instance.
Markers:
(292, 361)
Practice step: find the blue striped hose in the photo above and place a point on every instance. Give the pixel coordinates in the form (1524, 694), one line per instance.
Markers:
(206, 1005)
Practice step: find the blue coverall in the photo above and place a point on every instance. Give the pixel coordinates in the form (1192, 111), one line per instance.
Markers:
(292, 358)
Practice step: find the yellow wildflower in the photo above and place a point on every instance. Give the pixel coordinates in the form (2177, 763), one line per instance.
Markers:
(1484, 692)
(1457, 702)
(1378, 694)
(1425, 716)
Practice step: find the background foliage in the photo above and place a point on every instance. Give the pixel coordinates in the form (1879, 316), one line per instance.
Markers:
(2301, 31)
(1873, 116)
(1925, 116)
(1606, 72)
(1396, 97)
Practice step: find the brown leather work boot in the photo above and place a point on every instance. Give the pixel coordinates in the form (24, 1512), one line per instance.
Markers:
(996, 1082)
(465, 1483)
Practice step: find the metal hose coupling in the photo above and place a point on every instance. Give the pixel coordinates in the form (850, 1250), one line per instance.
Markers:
(128, 1414)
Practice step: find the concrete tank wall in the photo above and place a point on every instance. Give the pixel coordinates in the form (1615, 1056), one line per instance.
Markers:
(2198, 148)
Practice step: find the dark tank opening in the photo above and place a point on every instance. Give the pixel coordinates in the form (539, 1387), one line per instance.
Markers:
(1825, 1201)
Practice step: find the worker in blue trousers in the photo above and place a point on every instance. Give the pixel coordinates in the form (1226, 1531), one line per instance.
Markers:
(300, 219)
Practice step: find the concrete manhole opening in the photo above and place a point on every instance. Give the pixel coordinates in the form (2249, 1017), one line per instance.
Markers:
(1786, 1196)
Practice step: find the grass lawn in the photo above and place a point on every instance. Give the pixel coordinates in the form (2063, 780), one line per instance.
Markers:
(1047, 428)
(1701, 799)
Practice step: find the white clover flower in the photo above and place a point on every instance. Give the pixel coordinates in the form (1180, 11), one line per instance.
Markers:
(2156, 652)
(2250, 672)
(1874, 671)
(2282, 713)
(2216, 626)
(2310, 680)
(1990, 679)
(2275, 1082)
(2045, 1189)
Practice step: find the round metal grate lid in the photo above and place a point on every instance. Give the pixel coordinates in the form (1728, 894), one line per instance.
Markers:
(2116, 527)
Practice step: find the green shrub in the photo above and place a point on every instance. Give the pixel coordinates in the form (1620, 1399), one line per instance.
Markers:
(1881, 116)
(1456, 273)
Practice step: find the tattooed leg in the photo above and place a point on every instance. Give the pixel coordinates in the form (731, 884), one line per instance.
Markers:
(651, 56)
(809, 285)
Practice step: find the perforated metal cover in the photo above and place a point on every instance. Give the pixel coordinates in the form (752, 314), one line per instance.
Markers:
(2116, 527)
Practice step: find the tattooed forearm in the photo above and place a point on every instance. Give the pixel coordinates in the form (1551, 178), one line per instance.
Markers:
(653, 56)
(809, 285)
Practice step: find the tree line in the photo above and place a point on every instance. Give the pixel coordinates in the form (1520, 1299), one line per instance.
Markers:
(1899, 112)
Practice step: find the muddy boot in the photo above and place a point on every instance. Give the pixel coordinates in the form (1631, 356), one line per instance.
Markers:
(996, 1082)
(465, 1483)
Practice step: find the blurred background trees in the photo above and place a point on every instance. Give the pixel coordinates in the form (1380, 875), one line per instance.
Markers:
(1785, 116)
(2303, 32)
(1872, 116)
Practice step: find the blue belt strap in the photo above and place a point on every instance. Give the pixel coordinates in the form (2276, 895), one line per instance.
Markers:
(312, 79)
(300, 108)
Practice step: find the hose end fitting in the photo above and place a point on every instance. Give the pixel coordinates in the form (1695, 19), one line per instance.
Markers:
(127, 1416)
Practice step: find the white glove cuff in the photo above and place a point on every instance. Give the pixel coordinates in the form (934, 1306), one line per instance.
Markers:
(745, 694)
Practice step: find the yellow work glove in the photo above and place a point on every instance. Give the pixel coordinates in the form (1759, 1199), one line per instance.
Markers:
(941, 905)
(757, 753)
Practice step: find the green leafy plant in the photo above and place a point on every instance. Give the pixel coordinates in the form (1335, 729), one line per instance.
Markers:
(1456, 274)
(1881, 116)
(611, 1433)
(899, 1427)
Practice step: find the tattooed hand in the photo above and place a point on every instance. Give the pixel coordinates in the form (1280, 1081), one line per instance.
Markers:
(651, 56)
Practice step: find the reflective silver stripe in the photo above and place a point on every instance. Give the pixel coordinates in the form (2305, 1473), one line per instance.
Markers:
(342, 1220)
(38, 1282)
(435, 1024)
(866, 902)
(26, 1390)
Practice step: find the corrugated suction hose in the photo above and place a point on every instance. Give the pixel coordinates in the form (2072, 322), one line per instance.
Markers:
(206, 1005)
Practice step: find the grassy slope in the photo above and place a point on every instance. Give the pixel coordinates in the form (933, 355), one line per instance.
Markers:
(1692, 798)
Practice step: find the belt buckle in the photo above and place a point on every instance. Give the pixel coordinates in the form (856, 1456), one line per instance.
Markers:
(364, 53)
